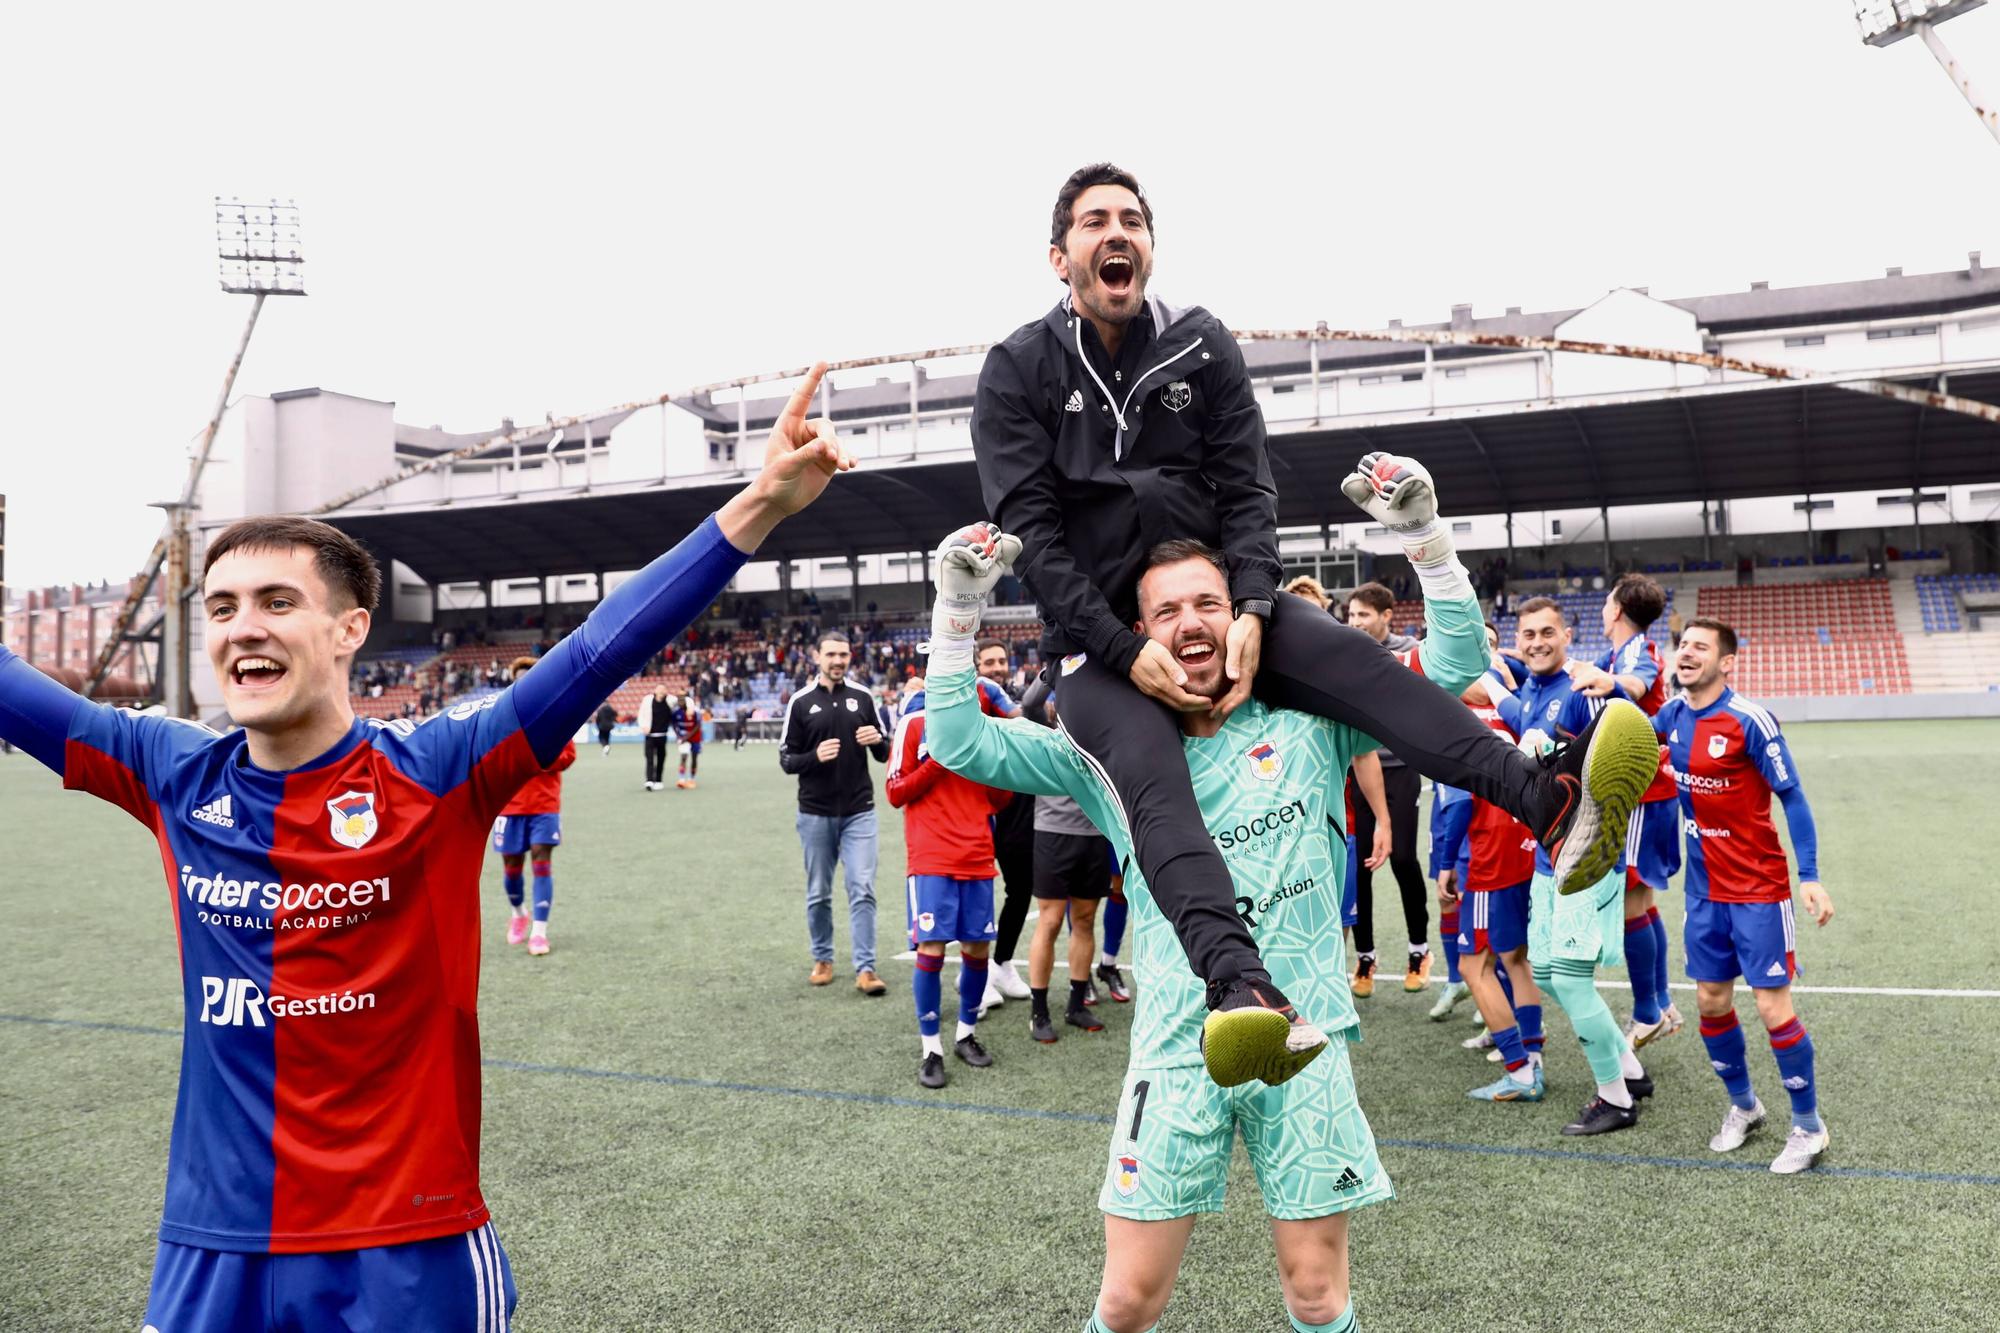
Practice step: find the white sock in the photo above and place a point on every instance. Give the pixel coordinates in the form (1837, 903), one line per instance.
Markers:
(519, 912)
(540, 930)
(933, 1044)
(1525, 1075)
(1421, 949)
(1616, 1093)
(1628, 1063)
(965, 1030)
(1106, 960)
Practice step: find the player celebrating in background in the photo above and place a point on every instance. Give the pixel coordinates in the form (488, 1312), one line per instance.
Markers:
(531, 823)
(1729, 759)
(1268, 783)
(948, 833)
(324, 1171)
(1630, 669)
(1569, 938)
(1115, 420)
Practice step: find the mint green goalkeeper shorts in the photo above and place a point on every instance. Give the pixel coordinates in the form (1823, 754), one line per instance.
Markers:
(1587, 926)
(1308, 1142)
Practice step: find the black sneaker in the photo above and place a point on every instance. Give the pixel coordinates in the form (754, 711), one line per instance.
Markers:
(1253, 1032)
(968, 1049)
(1114, 983)
(1583, 799)
(931, 1072)
(1042, 1029)
(1080, 1017)
(1601, 1117)
(1639, 1087)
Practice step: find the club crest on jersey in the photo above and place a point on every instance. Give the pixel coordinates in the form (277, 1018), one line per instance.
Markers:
(926, 921)
(1073, 661)
(1176, 396)
(1716, 745)
(1265, 761)
(353, 820)
(853, 705)
(1126, 1182)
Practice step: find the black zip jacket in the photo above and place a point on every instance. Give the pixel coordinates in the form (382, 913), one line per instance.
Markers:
(843, 786)
(1091, 462)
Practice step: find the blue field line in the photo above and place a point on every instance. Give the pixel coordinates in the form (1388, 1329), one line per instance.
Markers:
(1092, 1118)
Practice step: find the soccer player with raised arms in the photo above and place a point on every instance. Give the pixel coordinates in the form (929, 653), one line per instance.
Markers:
(1116, 421)
(1267, 784)
(1729, 759)
(323, 1174)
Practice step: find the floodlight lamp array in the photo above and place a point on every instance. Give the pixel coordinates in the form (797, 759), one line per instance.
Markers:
(259, 248)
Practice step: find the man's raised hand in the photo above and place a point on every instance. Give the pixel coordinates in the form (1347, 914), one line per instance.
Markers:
(800, 458)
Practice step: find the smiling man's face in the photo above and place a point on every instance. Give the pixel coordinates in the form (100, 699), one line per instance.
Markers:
(1184, 607)
(1107, 255)
(279, 639)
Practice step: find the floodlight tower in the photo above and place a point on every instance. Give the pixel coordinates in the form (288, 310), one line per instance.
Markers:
(1886, 22)
(258, 249)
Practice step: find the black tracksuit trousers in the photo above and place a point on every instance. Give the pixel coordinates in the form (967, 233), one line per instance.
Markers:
(1313, 663)
(656, 758)
(1402, 785)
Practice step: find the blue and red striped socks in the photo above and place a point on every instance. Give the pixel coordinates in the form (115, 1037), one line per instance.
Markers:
(1448, 928)
(515, 885)
(1723, 1035)
(1528, 1017)
(1665, 996)
(1642, 963)
(971, 990)
(927, 984)
(1794, 1050)
(545, 890)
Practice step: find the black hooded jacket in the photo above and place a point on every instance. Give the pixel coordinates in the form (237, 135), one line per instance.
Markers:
(1091, 462)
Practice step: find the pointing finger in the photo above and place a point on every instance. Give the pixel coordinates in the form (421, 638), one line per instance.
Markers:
(801, 399)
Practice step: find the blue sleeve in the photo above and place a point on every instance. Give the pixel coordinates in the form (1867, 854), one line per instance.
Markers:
(1772, 754)
(1805, 834)
(35, 711)
(627, 627)
(1577, 710)
(1449, 823)
(1504, 701)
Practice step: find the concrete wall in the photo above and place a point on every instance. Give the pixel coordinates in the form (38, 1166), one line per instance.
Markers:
(1882, 707)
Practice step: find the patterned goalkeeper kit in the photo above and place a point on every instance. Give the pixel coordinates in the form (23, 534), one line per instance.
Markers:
(1269, 785)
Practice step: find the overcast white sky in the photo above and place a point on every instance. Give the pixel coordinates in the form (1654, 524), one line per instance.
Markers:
(512, 210)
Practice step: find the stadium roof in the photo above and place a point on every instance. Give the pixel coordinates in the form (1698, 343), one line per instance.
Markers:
(1719, 441)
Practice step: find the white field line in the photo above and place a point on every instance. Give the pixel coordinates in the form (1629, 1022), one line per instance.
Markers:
(1903, 992)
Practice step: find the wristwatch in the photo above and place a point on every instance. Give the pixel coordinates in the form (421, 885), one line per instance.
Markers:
(1254, 606)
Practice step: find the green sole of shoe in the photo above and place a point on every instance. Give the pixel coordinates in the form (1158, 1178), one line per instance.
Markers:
(1624, 756)
(1244, 1044)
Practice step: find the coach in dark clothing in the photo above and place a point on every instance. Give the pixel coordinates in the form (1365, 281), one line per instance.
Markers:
(1368, 610)
(1113, 423)
(830, 730)
(656, 720)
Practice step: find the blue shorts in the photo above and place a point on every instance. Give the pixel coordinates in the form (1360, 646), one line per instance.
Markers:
(1495, 921)
(453, 1284)
(1653, 845)
(513, 835)
(943, 908)
(1350, 888)
(1756, 941)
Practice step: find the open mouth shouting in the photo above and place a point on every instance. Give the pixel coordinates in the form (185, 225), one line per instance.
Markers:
(255, 673)
(1195, 654)
(1118, 274)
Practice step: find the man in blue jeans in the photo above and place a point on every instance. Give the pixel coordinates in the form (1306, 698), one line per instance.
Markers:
(830, 729)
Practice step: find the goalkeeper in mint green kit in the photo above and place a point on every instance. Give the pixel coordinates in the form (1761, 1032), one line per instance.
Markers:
(1269, 785)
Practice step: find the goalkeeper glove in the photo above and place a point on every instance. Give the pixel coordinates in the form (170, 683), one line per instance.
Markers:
(966, 566)
(1398, 493)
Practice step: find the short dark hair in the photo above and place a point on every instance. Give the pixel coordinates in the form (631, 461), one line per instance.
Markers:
(1534, 604)
(981, 646)
(1725, 637)
(833, 636)
(1640, 600)
(351, 574)
(1097, 173)
(1177, 549)
(1373, 596)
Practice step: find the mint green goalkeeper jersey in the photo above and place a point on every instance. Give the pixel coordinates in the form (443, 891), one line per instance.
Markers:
(1269, 785)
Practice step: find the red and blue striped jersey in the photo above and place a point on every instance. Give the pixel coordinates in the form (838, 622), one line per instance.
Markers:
(1639, 656)
(328, 928)
(1728, 759)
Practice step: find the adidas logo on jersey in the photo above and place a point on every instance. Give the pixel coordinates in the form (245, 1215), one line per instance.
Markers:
(1075, 403)
(219, 812)
(1348, 1180)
